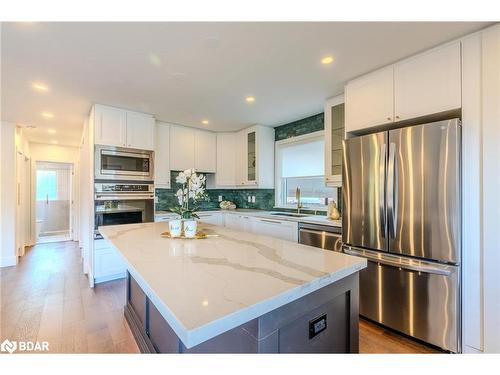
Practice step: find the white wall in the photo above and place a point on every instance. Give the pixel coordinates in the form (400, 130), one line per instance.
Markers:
(49, 152)
(8, 195)
(491, 185)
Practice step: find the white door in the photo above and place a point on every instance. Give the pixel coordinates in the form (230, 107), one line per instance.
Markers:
(53, 201)
(369, 100)
(233, 222)
(110, 126)
(205, 151)
(428, 83)
(181, 148)
(226, 159)
(162, 156)
(140, 131)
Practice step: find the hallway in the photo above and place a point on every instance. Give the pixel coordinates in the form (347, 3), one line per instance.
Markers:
(46, 297)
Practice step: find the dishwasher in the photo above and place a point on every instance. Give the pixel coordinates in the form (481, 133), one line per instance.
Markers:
(322, 236)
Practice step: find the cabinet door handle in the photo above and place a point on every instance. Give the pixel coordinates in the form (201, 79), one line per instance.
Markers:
(397, 117)
(271, 221)
(388, 118)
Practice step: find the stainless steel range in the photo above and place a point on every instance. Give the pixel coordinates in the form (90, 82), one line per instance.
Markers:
(401, 198)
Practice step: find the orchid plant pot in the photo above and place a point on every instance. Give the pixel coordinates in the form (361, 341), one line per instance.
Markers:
(190, 228)
(191, 192)
(175, 228)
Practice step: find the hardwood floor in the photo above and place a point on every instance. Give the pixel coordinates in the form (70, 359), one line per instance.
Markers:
(374, 339)
(46, 297)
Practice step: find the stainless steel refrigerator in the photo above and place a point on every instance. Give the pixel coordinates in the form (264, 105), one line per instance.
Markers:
(401, 211)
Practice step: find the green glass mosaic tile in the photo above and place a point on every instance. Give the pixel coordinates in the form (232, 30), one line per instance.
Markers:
(264, 198)
(304, 126)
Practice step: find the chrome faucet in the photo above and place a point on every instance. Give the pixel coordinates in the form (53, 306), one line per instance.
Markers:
(297, 197)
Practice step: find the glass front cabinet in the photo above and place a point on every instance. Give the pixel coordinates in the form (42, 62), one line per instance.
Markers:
(334, 134)
(255, 157)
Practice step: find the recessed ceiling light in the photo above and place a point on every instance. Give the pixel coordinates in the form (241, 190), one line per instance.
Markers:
(249, 99)
(205, 122)
(47, 115)
(54, 142)
(40, 87)
(51, 131)
(326, 60)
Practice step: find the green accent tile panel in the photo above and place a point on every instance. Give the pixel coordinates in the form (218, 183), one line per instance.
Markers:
(264, 198)
(304, 126)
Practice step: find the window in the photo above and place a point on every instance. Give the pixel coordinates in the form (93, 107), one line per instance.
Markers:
(300, 164)
(46, 185)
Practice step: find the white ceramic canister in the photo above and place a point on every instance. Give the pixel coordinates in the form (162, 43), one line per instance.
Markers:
(190, 227)
(175, 228)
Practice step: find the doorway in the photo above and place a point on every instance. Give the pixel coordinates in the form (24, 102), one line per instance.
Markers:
(53, 190)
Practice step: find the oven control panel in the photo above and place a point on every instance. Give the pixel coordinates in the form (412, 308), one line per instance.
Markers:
(123, 188)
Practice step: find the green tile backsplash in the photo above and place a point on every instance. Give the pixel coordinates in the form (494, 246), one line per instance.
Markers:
(304, 126)
(264, 198)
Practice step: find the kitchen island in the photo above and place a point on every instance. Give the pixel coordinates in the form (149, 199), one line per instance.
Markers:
(236, 292)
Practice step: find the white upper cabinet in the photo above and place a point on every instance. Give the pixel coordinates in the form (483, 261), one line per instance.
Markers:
(110, 126)
(192, 148)
(422, 85)
(369, 100)
(181, 148)
(162, 156)
(205, 151)
(428, 83)
(122, 128)
(140, 131)
(226, 159)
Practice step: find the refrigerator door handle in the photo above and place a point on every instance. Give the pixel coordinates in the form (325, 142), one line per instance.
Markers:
(382, 190)
(391, 191)
(400, 262)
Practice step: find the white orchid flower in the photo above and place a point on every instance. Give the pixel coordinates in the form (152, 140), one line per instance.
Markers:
(181, 178)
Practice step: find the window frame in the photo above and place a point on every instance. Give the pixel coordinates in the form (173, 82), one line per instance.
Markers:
(305, 138)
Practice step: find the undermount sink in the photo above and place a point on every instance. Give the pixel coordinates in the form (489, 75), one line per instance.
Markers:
(290, 214)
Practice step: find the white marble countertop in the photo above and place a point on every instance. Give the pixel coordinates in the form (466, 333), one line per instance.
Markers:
(313, 219)
(205, 287)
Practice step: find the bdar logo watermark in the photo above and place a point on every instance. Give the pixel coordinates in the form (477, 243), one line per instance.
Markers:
(23, 346)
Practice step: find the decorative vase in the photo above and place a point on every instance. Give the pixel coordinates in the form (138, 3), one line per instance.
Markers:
(335, 214)
(190, 227)
(175, 228)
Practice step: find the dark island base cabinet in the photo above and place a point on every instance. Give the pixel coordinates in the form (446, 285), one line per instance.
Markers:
(325, 321)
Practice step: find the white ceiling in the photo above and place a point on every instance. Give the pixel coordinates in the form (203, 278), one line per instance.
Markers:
(186, 72)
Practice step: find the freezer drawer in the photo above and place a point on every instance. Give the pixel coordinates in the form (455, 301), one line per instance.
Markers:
(420, 299)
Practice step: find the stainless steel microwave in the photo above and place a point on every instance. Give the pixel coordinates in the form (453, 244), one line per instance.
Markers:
(118, 163)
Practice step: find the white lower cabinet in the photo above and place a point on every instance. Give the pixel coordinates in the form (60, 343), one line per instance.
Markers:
(215, 218)
(108, 264)
(238, 222)
(285, 230)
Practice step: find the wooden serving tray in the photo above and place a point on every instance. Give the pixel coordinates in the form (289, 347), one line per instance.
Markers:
(198, 236)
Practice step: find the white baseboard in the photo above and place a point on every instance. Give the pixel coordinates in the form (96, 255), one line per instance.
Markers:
(8, 261)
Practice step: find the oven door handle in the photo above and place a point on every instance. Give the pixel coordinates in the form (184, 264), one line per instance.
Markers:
(424, 267)
(124, 197)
